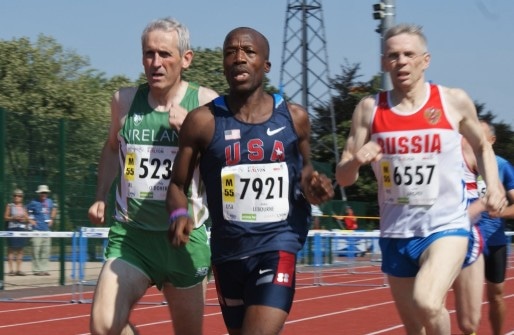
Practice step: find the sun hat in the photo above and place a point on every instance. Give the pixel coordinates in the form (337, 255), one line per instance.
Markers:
(17, 192)
(43, 189)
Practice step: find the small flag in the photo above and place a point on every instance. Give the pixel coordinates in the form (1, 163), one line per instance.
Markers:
(232, 134)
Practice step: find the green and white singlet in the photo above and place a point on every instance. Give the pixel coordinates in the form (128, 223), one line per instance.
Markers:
(148, 146)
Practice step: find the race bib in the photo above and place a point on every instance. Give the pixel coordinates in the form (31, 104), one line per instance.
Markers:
(148, 170)
(255, 192)
(481, 187)
(410, 180)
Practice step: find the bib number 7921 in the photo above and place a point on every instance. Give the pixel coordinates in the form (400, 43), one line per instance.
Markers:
(255, 192)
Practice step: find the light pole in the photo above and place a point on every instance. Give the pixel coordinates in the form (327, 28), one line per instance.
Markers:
(384, 11)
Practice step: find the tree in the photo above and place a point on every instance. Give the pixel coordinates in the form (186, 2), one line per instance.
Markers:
(207, 70)
(348, 91)
(56, 105)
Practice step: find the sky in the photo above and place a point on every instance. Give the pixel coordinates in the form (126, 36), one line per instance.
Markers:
(471, 41)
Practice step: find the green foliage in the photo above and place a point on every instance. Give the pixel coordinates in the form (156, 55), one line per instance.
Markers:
(348, 91)
(55, 104)
(207, 70)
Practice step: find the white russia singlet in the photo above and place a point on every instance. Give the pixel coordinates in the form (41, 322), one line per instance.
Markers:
(420, 177)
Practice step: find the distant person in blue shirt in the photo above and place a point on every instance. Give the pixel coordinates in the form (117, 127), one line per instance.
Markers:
(42, 212)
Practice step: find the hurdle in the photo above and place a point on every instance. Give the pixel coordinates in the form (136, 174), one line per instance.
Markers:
(335, 252)
(79, 259)
(28, 235)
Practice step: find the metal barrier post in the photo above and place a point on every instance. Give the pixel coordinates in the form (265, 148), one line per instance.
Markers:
(318, 258)
(74, 259)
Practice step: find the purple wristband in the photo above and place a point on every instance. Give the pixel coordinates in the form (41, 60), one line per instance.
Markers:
(179, 212)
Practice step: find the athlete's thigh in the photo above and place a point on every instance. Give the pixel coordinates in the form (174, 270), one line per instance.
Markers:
(186, 306)
(440, 264)
(261, 319)
(468, 290)
(496, 264)
(120, 285)
(272, 282)
(267, 279)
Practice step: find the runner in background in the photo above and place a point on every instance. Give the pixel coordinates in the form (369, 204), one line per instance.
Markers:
(468, 287)
(492, 228)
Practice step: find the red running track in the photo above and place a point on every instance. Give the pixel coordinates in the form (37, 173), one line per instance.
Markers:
(346, 303)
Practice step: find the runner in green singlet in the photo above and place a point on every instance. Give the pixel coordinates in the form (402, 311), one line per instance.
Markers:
(142, 141)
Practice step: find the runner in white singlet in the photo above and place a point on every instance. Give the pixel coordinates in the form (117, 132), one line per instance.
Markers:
(410, 134)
